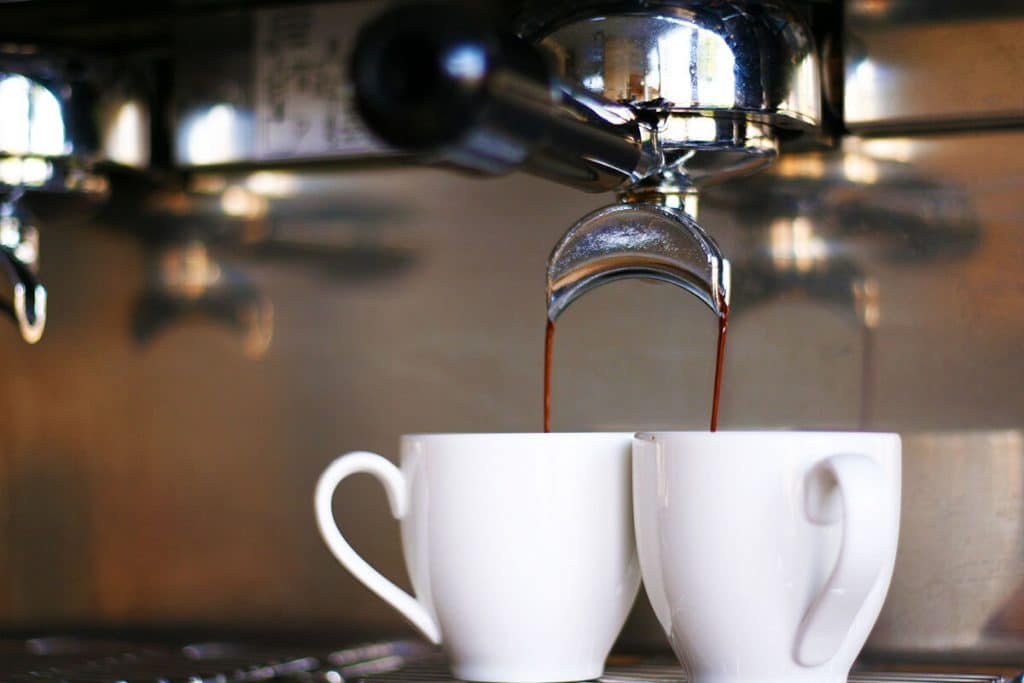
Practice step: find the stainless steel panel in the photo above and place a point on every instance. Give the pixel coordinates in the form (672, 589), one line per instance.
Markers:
(913, 65)
(958, 589)
(269, 85)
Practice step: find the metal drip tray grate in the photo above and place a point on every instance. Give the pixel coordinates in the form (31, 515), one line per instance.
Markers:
(666, 672)
(76, 660)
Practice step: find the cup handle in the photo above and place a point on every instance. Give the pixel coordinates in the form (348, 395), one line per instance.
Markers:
(394, 485)
(843, 487)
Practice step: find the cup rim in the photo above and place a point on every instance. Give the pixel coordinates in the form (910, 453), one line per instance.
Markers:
(651, 434)
(654, 435)
(514, 435)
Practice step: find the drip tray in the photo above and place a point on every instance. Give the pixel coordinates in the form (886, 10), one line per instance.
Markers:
(84, 660)
(666, 671)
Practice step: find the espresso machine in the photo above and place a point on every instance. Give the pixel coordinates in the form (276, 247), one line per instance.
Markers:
(271, 232)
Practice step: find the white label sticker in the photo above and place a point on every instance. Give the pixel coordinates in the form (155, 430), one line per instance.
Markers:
(303, 96)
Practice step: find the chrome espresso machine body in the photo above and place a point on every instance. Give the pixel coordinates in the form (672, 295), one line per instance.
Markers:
(256, 255)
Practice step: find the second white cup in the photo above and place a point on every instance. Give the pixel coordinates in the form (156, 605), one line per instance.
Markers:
(767, 555)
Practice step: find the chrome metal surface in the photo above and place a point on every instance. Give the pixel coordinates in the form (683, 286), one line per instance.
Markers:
(560, 133)
(19, 259)
(37, 149)
(269, 85)
(47, 145)
(719, 78)
(188, 282)
(683, 92)
(633, 240)
(64, 109)
(680, 94)
(715, 150)
(192, 237)
(957, 591)
(918, 66)
(754, 60)
(445, 82)
(124, 120)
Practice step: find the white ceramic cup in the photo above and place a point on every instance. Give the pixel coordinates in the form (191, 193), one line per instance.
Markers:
(766, 555)
(520, 548)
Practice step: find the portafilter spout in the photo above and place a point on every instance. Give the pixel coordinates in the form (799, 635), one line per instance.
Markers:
(634, 240)
(652, 100)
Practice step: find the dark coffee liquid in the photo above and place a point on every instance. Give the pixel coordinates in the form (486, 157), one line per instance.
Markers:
(723, 329)
(549, 342)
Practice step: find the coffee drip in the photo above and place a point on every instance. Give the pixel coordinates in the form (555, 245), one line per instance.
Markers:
(637, 240)
(549, 346)
(723, 329)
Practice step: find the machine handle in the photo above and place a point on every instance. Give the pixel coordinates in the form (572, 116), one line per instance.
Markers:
(443, 80)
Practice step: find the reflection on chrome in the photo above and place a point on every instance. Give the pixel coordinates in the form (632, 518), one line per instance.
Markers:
(30, 310)
(31, 119)
(239, 202)
(860, 169)
(710, 80)
(207, 183)
(795, 246)
(805, 96)
(188, 283)
(21, 239)
(465, 63)
(38, 148)
(25, 171)
(695, 57)
(86, 183)
(189, 271)
(19, 259)
(862, 86)
(867, 300)
(957, 585)
(719, 81)
(811, 166)
(886, 149)
(210, 135)
(126, 134)
(273, 184)
(636, 241)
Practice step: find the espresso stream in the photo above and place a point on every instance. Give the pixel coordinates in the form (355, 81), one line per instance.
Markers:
(549, 344)
(723, 330)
